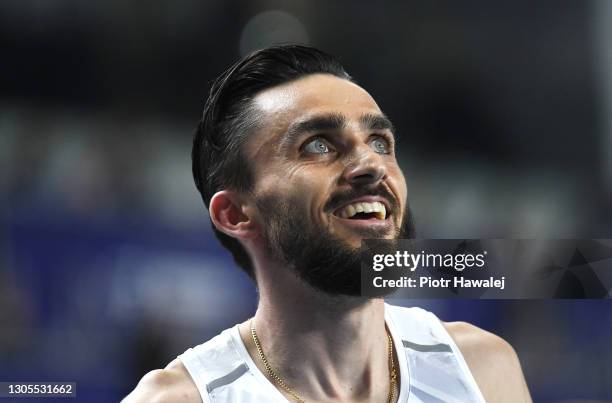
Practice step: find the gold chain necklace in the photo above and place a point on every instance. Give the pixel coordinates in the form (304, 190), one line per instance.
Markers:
(279, 381)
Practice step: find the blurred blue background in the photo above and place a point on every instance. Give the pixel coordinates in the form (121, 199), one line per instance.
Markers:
(108, 266)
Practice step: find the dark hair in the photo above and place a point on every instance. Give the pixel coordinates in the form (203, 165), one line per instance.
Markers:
(218, 161)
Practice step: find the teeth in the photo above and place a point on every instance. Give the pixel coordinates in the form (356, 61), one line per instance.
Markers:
(376, 207)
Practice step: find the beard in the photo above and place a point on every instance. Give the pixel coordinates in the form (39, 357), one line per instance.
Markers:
(317, 257)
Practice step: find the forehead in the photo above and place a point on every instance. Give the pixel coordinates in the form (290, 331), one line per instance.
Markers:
(312, 95)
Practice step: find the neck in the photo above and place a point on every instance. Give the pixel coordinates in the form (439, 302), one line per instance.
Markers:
(325, 347)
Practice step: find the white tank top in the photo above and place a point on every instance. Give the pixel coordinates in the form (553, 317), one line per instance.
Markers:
(432, 368)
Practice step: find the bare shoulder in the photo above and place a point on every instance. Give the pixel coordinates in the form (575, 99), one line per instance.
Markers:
(168, 385)
(492, 361)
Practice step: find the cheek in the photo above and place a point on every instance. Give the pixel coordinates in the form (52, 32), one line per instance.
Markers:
(301, 188)
(399, 184)
(403, 189)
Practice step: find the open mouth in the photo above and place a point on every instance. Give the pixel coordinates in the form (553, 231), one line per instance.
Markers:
(363, 211)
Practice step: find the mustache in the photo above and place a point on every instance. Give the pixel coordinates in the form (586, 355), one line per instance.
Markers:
(339, 198)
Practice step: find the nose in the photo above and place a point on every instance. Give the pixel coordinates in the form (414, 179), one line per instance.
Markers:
(364, 167)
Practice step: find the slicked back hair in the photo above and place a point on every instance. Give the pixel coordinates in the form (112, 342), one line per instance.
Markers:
(229, 118)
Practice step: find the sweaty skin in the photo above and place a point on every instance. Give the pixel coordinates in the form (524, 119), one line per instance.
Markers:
(328, 348)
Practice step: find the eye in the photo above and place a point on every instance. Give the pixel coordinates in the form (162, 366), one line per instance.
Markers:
(316, 146)
(380, 145)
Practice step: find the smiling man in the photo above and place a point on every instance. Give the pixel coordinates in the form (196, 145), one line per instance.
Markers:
(296, 164)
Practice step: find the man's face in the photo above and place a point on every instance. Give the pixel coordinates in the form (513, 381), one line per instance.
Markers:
(326, 177)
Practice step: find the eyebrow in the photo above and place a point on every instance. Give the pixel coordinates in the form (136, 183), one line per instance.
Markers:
(372, 121)
(333, 122)
(330, 122)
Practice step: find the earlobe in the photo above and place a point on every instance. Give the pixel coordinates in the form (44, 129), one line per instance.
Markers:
(227, 214)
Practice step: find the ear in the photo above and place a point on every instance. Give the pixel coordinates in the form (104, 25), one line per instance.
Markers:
(227, 213)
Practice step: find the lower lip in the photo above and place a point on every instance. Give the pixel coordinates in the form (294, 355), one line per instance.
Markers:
(370, 223)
